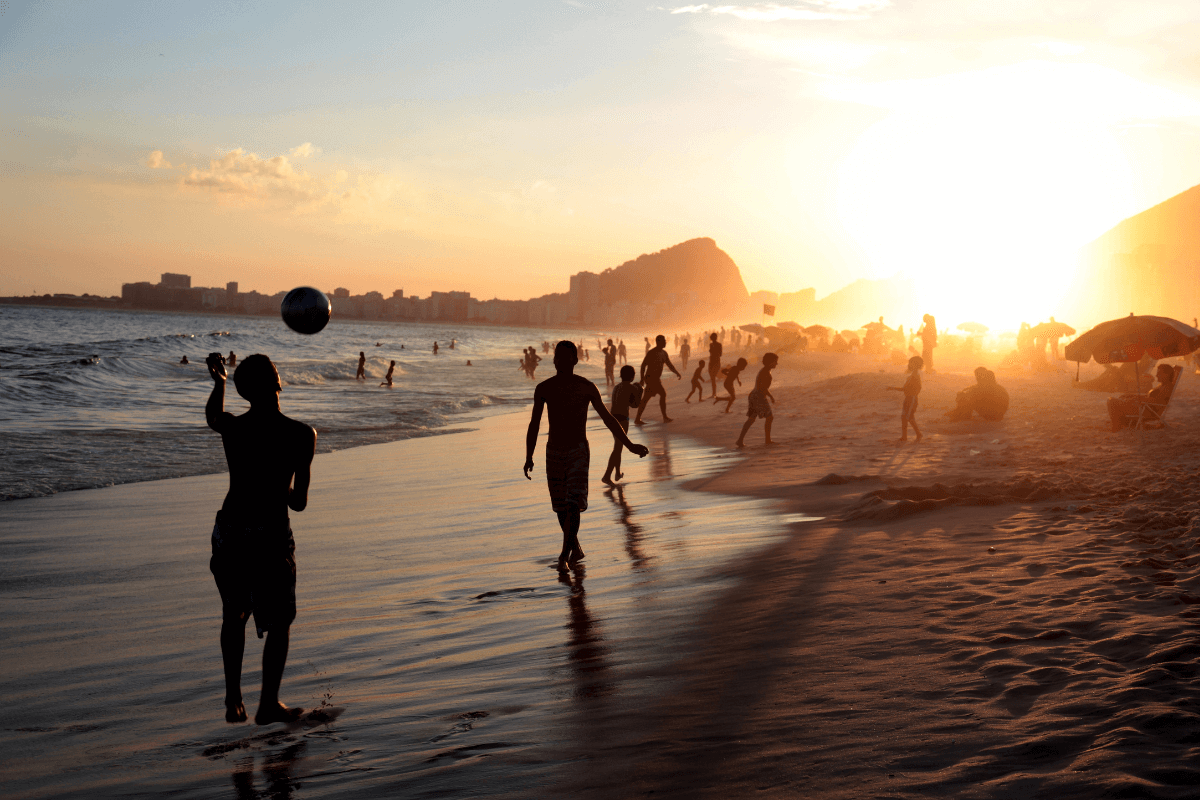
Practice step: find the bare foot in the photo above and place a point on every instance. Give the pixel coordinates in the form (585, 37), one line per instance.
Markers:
(902, 439)
(235, 712)
(620, 476)
(668, 419)
(770, 443)
(919, 437)
(740, 445)
(638, 422)
(276, 713)
(607, 480)
(562, 565)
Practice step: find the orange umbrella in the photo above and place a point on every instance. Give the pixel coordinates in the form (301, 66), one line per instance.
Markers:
(1130, 338)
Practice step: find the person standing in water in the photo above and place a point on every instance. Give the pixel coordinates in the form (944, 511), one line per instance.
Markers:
(623, 396)
(232, 360)
(361, 373)
(760, 400)
(610, 363)
(685, 351)
(621, 352)
(652, 367)
(387, 379)
(911, 388)
(253, 552)
(435, 348)
(714, 360)
(567, 454)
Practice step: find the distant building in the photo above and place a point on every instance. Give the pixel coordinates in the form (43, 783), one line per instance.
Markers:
(173, 280)
(584, 297)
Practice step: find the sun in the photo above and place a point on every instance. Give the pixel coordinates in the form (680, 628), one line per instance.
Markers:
(984, 194)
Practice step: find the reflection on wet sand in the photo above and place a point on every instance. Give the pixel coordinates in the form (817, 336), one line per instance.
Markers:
(633, 531)
(277, 773)
(659, 443)
(586, 650)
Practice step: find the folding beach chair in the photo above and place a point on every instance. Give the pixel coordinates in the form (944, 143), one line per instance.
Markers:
(1150, 417)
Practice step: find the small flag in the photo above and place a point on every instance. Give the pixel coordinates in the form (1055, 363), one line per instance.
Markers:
(768, 310)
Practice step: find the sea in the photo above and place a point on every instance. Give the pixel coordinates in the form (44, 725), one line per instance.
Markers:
(94, 397)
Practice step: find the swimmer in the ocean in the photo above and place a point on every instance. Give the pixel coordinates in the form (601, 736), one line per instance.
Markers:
(387, 379)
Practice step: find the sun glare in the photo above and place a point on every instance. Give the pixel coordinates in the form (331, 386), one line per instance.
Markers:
(983, 187)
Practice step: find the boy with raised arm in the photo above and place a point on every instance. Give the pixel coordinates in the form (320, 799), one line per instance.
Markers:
(253, 558)
(652, 369)
(760, 400)
(567, 454)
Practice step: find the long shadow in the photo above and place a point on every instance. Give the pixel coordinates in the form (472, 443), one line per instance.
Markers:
(633, 531)
(587, 652)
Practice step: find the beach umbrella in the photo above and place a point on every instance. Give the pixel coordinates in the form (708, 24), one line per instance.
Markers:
(818, 330)
(973, 327)
(1130, 338)
(790, 326)
(1051, 330)
(751, 328)
(875, 326)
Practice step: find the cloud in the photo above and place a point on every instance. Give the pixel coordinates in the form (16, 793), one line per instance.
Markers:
(239, 172)
(805, 10)
(303, 151)
(156, 161)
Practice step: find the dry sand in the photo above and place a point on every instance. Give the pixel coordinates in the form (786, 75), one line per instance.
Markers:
(1002, 610)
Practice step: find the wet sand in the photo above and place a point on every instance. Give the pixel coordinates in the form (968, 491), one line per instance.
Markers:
(452, 658)
(1002, 610)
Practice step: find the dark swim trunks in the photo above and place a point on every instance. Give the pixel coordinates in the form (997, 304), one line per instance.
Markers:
(255, 570)
(567, 476)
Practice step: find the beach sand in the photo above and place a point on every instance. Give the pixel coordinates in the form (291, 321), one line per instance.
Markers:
(1001, 610)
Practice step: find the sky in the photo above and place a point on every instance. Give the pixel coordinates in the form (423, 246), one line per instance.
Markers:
(497, 148)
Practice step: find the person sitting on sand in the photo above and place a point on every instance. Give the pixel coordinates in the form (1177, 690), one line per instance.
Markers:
(911, 388)
(1123, 410)
(986, 398)
(652, 367)
(697, 383)
(733, 373)
(1124, 377)
(760, 400)
(567, 454)
(625, 394)
(387, 379)
(361, 373)
(253, 552)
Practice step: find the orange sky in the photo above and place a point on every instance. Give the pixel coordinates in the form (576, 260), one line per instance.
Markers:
(458, 146)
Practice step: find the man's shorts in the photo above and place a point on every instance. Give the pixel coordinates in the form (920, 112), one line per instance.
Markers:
(650, 388)
(255, 570)
(567, 476)
(759, 406)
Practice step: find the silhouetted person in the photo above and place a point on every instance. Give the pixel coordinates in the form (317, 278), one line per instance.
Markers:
(714, 360)
(733, 373)
(911, 389)
(624, 395)
(387, 379)
(685, 352)
(1123, 410)
(760, 400)
(567, 454)
(697, 383)
(184, 360)
(621, 351)
(361, 374)
(253, 560)
(232, 360)
(928, 334)
(610, 363)
(1054, 337)
(986, 398)
(452, 343)
(652, 367)
(435, 348)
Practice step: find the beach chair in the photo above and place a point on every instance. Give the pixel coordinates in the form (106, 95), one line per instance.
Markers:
(1147, 416)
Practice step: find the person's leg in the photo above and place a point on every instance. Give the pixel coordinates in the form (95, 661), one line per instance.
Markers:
(732, 397)
(614, 463)
(662, 404)
(741, 441)
(233, 646)
(568, 520)
(912, 420)
(275, 652)
(767, 428)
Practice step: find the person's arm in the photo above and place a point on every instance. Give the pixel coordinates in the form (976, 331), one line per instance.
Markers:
(642, 374)
(298, 493)
(611, 423)
(535, 422)
(670, 366)
(214, 410)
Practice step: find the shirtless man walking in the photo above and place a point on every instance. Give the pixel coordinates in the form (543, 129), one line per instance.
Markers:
(652, 367)
(567, 454)
(610, 362)
(714, 361)
(253, 558)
